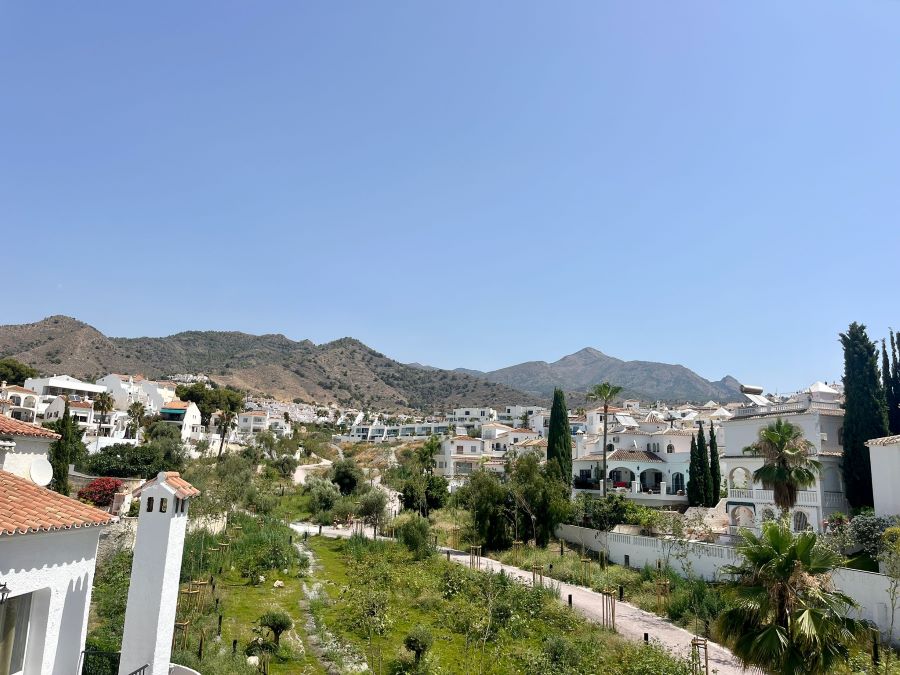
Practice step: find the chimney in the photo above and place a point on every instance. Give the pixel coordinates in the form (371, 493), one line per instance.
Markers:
(155, 574)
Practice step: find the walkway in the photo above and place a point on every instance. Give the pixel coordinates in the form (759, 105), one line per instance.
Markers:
(631, 622)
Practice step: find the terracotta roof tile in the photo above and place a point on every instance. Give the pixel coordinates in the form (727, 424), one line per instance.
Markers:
(175, 405)
(884, 440)
(633, 456)
(173, 479)
(20, 390)
(16, 428)
(26, 507)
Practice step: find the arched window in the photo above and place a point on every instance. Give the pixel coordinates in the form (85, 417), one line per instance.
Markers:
(677, 481)
(610, 447)
(801, 522)
(670, 449)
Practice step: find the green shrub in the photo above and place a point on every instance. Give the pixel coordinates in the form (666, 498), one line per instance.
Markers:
(414, 532)
(418, 641)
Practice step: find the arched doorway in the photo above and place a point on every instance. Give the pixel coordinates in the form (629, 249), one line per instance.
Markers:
(678, 481)
(650, 480)
(621, 477)
(740, 478)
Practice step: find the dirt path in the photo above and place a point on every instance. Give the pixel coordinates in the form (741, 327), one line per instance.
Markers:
(631, 622)
(303, 470)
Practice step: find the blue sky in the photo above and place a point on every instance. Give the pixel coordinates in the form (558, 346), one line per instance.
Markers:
(715, 184)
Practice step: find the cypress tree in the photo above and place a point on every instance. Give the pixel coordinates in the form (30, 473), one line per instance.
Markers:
(703, 458)
(894, 403)
(696, 486)
(714, 469)
(559, 438)
(865, 412)
(63, 451)
(887, 385)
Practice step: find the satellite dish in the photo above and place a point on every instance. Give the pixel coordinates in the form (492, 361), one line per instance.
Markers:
(41, 471)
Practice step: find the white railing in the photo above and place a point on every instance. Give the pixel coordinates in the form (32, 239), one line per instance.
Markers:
(836, 499)
(738, 493)
(805, 497)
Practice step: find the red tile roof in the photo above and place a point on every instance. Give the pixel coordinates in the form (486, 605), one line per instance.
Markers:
(173, 479)
(20, 390)
(633, 456)
(80, 404)
(26, 507)
(16, 428)
(175, 405)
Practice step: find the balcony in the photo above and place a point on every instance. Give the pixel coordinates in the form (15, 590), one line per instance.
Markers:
(779, 408)
(804, 497)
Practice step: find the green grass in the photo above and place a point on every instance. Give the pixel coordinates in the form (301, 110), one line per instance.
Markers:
(526, 630)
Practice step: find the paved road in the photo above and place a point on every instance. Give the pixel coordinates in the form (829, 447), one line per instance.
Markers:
(303, 470)
(631, 622)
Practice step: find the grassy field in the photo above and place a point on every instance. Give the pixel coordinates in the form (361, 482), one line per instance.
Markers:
(374, 594)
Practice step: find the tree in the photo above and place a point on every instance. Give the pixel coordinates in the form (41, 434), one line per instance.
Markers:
(894, 406)
(210, 399)
(414, 532)
(605, 393)
(277, 623)
(559, 438)
(226, 424)
(865, 412)
(696, 487)
(490, 503)
(786, 618)
(136, 413)
(123, 460)
(418, 641)
(160, 430)
(425, 454)
(346, 475)
(65, 450)
(103, 405)
(788, 466)
(709, 498)
(15, 372)
(538, 495)
(372, 507)
(715, 471)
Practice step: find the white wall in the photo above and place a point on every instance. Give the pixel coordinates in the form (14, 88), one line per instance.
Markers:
(18, 460)
(885, 470)
(869, 590)
(59, 568)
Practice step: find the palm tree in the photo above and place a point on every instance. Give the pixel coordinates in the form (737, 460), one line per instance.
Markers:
(425, 454)
(226, 423)
(136, 413)
(788, 467)
(606, 393)
(787, 618)
(103, 405)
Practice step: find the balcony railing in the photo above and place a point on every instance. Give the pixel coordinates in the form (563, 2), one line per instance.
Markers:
(777, 408)
(805, 497)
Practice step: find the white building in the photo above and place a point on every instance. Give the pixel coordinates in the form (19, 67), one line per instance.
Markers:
(48, 549)
(158, 394)
(183, 414)
(126, 389)
(817, 411)
(18, 402)
(26, 450)
(472, 418)
(158, 548)
(884, 454)
(253, 421)
(376, 432)
(49, 388)
(520, 415)
(81, 411)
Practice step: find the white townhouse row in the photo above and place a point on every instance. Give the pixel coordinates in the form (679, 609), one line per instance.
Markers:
(461, 455)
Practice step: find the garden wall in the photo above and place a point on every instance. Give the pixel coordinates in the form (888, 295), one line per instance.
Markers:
(869, 590)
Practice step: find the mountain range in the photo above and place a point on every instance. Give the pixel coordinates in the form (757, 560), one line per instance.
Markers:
(344, 371)
(578, 372)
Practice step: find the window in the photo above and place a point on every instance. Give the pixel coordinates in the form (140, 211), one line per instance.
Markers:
(14, 617)
(149, 504)
(670, 448)
(163, 505)
(460, 449)
(177, 505)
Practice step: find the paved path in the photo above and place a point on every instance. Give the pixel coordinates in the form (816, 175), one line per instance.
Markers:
(303, 470)
(631, 622)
